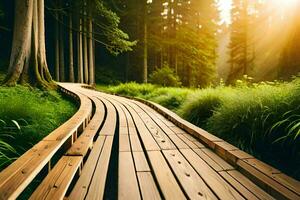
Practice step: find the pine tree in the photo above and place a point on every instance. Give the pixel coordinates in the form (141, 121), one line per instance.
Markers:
(241, 53)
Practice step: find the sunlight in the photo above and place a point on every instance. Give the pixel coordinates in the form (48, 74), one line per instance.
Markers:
(286, 3)
(280, 5)
(225, 8)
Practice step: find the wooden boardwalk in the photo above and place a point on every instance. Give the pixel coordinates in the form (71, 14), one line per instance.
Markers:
(119, 148)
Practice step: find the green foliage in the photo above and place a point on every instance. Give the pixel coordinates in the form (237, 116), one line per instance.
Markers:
(165, 76)
(106, 76)
(200, 105)
(169, 97)
(27, 115)
(132, 89)
(118, 41)
(263, 120)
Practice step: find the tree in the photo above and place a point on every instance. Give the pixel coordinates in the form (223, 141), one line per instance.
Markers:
(71, 56)
(241, 53)
(28, 57)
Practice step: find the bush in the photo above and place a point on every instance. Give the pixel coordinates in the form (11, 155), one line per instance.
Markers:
(165, 76)
(200, 106)
(132, 89)
(171, 98)
(263, 120)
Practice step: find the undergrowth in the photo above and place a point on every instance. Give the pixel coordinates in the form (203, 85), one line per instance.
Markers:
(26, 116)
(261, 118)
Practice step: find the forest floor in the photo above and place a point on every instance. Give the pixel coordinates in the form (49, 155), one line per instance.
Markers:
(26, 116)
(262, 119)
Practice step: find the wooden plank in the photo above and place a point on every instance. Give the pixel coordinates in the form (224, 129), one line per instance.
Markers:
(97, 185)
(124, 144)
(121, 114)
(82, 144)
(261, 194)
(148, 141)
(222, 189)
(127, 185)
(208, 160)
(187, 141)
(158, 118)
(287, 181)
(221, 162)
(263, 167)
(81, 187)
(158, 134)
(190, 181)
(123, 130)
(178, 142)
(177, 130)
(275, 174)
(239, 187)
(140, 162)
(268, 184)
(147, 186)
(130, 122)
(135, 143)
(56, 183)
(111, 119)
(194, 140)
(222, 147)
(204, 136)
(14, 179)
(235, 155)
(163, 174)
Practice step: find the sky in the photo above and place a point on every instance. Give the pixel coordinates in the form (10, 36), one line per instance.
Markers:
(225, 7)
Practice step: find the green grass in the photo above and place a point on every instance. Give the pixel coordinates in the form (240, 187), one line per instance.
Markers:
(26, 116)
(262, 119)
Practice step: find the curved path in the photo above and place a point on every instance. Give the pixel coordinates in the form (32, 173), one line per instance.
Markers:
(119, 148)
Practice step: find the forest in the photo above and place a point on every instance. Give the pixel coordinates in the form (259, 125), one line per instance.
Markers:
(230, 67)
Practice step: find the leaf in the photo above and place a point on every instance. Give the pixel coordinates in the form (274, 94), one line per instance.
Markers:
(16, 124)
(3, 122)
(23, 121)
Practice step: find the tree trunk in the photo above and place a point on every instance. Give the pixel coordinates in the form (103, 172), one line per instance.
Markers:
(71, 62)
(28, 57)
(145, 57)
(56, 46)
(91, 53)
(79, 48)
(61, 49)
(85, 48)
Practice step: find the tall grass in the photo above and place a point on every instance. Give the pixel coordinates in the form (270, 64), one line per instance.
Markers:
(27, 115)
(262, 119)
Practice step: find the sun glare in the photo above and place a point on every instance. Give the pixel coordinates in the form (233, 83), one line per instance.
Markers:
(286, 3)
(225, 8)
(282, 6)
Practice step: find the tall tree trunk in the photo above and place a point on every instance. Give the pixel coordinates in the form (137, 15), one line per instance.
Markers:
(85, 48)
(79, 48)
(28, 56)
(145, 53)
(91, 52)
(56, 45)
(61, 49)
(71, 62)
